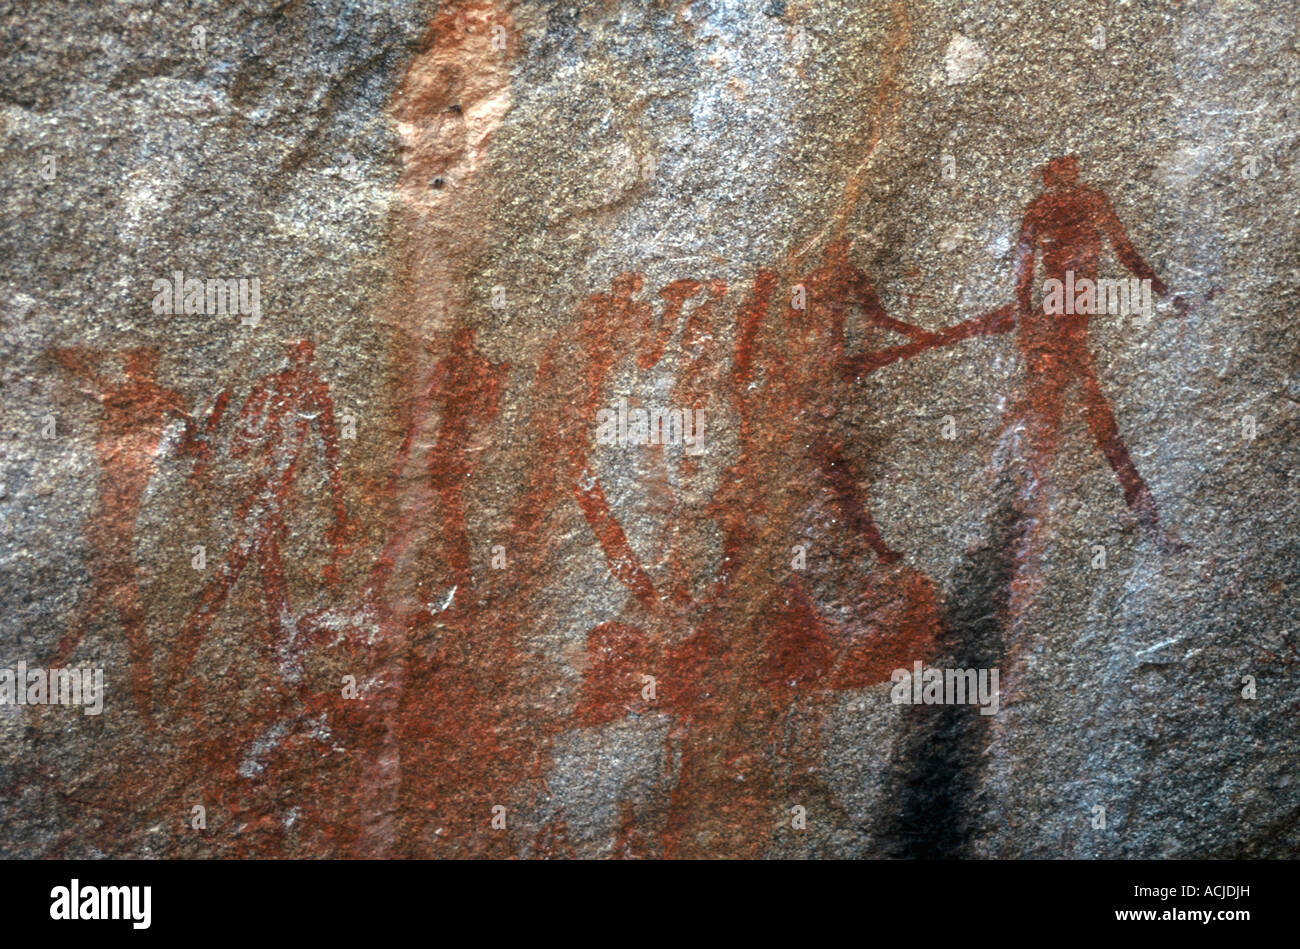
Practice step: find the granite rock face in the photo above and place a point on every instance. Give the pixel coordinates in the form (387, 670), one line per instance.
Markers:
(335, 336)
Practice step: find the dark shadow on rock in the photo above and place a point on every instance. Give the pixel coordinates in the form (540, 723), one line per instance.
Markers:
(935, 775)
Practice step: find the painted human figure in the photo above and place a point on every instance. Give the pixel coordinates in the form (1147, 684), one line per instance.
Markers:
(805, 369)
(1068, 224)
(271, 433)
(458, 741)
(135, 412)
(832, 290)
(806, 656)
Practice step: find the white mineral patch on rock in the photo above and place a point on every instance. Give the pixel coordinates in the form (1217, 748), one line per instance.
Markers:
(964, 59)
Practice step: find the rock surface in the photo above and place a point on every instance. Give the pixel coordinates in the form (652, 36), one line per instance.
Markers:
(365, 576)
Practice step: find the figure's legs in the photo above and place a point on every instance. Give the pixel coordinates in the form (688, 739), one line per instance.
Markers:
(111, 533)
(456, 537)
(835, 469)
(623, 562)
(280, 618)
(1101, 422)
(129, 608)
(1040, 414)
(124, 475)
(205, 611)
(86, 611)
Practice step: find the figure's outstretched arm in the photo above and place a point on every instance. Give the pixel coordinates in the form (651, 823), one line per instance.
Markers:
(1124, 249)
(992, 323)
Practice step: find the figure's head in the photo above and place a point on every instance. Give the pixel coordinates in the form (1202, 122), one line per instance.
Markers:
(1061, 172)
(299, 351)
(462, 340)
(141, 362)
(626, 284)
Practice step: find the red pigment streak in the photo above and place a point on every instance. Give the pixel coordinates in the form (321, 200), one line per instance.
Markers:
(456, 715)
(464, 393)
(570, 387)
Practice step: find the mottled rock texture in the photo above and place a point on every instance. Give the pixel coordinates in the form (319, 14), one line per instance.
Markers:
(364, 576)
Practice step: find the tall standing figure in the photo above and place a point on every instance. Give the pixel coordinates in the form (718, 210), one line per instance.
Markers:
(271, 433)
(1068, 224)
(135, 412)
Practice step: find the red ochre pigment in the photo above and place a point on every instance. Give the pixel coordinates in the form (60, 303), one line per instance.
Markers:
(454, 714)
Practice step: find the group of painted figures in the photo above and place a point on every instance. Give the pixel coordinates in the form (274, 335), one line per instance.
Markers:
(462, 717)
